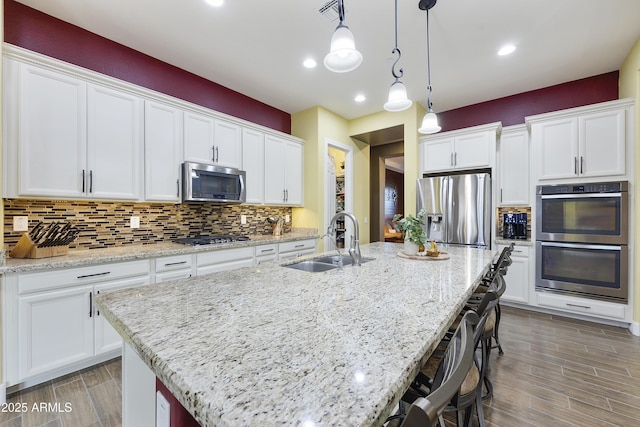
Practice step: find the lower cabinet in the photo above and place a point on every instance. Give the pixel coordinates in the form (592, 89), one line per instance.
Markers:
(266, 253)
(291, 250)
(585, 306)
(224, 259)
(518, 276)
(52, 322)
(173, 268)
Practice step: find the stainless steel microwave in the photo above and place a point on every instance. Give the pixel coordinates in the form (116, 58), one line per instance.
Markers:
(210, 183)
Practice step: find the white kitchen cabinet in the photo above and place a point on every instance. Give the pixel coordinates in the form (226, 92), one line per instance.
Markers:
(266, 253)
(162, 152)
(114, 144)
(583, 306)
(173, 267)
(517, 277)
(209, 140)
(54, 329)
(470, 148)
(290, 250)
(52, 323)
(513, 166)
(253, 164)
(582, 142)
(107, 339)
(70, 139)
(283, 171)
(223, 259)
(49, 131)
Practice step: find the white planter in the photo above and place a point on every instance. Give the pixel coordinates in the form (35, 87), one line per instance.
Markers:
(410, 248)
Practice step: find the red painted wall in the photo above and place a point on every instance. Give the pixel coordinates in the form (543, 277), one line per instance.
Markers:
(179, 416)
(513, 109)
(42, 33)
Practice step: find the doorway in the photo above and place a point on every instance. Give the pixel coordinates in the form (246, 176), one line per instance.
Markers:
(393, 196)
(338, 190)
(381, 155)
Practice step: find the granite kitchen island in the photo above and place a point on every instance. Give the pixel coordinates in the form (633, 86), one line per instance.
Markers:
(270, 345)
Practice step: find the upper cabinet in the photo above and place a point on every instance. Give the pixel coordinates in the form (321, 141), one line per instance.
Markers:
(582, 142)
(212, 141)
(114, 144)
(513, 166)
(68, 138)
(163, 152)
(253, 163)
(469, 148)
(283, 171)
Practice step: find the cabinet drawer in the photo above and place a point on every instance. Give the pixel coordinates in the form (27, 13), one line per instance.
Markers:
(266, 250)
(171, 263)
(222, 256)
(52, 279)
(298, 245)
(583, 306)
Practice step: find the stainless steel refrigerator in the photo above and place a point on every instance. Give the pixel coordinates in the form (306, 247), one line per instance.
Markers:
(458, 208)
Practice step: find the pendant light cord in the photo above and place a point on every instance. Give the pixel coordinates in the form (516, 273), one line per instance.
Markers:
(429, 104)
(400, 72)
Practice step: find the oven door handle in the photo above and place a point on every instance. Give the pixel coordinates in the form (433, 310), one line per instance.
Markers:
(580, 246)
(580, 196)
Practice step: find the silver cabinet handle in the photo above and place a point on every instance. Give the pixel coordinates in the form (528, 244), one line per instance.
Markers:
(90, 304)
(266, 250)
(93, 275)
(168, 264)
(287, 195)
(91, 181)
(213, 153)
(284, 195)
(83, 180)
(581, 164)
(300, 246)
(501, 195)
(579, 306)
(451, 160)
(178, 188)
(217, 154)
(575, 166)
(455, 158)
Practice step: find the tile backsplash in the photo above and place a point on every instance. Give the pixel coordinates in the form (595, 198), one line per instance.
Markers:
(106, 224)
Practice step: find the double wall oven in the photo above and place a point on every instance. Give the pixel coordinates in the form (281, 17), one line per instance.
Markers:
(582, 233)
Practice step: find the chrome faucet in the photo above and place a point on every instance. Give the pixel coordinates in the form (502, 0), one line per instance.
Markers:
(354, 247)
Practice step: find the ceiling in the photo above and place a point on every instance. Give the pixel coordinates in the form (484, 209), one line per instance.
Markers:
(257, 47)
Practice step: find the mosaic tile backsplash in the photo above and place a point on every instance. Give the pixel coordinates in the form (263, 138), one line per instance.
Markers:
(106, 224)
(517, 209)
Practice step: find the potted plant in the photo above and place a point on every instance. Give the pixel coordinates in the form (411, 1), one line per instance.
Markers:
(412, 231)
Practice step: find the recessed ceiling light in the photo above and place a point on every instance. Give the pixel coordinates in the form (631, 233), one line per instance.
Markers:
(506, 49)
(360, 98)
(310, 63)
(216, 3)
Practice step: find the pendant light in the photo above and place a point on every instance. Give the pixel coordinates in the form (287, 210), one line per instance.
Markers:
(430, 120)
(397, 100)
(343, 56)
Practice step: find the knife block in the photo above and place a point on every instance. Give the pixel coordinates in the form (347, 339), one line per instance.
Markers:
(25, 248)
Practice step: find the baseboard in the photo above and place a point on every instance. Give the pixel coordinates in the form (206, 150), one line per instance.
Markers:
(634, 327)
(3, 394)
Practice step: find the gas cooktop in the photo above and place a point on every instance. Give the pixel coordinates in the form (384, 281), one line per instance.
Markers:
(211, 240)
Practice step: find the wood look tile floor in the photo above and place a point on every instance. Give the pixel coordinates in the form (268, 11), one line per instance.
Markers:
(555, 372)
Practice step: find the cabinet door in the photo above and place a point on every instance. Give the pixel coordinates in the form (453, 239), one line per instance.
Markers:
(198, 138)
(52, 133)
(222, 260)
(473, 151)
(274, 184)
(438, 155)
(518, 276)
(557, 145)
(253, 164)
(162, 152)
(513, 168)
(114, 144)
(227, 144)
(55, 329)
(602, 144)
(106, 338)
(294, 179)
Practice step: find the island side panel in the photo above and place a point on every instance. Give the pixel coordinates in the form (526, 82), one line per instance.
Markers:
(138, 391)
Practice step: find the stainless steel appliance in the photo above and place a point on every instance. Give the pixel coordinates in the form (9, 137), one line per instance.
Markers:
(211, 240)
(458, 208)
(581, 240)
(210, 183)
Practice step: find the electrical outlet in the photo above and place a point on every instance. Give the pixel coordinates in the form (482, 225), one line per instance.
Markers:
(287, 218)
(134, 222)
(20, 223)
(243, 219)
(366, 220)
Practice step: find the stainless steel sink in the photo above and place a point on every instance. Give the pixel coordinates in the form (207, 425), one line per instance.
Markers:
(335, 259)
(312, 266)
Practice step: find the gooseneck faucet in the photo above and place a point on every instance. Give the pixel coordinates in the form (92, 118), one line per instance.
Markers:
(354, 247)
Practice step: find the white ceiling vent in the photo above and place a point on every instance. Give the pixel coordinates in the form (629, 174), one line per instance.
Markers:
(330, 10)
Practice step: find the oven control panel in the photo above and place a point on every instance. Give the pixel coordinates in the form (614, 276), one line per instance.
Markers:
(593, 187)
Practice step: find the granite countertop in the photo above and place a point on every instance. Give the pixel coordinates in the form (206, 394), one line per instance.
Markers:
(270, 345)
(84, 257)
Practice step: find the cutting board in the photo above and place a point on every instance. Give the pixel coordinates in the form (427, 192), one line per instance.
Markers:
(441, 257)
